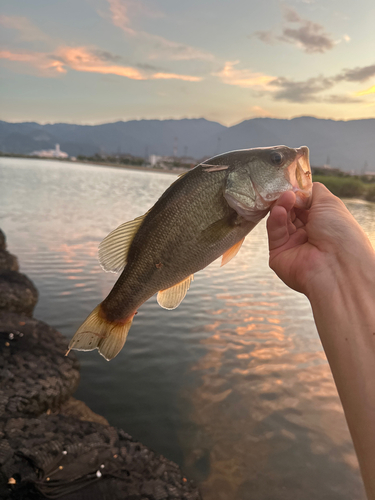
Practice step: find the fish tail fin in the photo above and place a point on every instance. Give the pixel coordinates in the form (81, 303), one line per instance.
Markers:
(96, 332)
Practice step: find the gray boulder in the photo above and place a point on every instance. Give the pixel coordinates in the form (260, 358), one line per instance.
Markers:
(17, 293)
(35, 374)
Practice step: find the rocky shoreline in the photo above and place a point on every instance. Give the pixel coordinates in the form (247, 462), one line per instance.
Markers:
(51, 445)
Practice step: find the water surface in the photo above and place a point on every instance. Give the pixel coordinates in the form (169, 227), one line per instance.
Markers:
(233, 385)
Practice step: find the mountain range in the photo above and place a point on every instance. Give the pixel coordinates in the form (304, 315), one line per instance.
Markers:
(348, 145)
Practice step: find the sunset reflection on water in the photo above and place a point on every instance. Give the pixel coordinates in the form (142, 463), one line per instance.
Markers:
(273, 424)
(233, 384)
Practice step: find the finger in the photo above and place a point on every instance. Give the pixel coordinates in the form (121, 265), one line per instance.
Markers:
(277, 227)
(286, 200)
(302, 215)
(295, 240)
(291, 226)
(298, 223)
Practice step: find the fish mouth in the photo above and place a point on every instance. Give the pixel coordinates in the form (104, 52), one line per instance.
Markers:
(299, 175)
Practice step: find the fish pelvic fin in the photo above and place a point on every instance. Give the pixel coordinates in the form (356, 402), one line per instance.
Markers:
(231, 252)
(173, 296)
(96, 332)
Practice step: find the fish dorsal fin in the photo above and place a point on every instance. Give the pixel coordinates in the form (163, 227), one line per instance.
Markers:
(231, 252)
(113, 250)
(172, 297)
(214, 168)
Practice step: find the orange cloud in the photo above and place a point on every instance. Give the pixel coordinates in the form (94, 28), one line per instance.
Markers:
(45, 64)
(81, 59)
(243, 77)
(86, 60)
(167, 76)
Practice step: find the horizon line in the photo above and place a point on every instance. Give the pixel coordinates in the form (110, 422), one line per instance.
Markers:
(95, 124)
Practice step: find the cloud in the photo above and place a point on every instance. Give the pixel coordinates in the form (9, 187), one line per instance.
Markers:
(28, 32)
(302, 91)
(119, 14)
(309, 36)
(168, 76)
(286, 89)
(105, 55)
(158, 46)
(357, 74)
(89, 61)
(45, 64)
(342, 99)
(243, 77)
(291, 16)
(309, 90)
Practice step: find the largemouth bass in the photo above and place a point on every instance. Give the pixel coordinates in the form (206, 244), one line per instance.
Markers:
(206, 213)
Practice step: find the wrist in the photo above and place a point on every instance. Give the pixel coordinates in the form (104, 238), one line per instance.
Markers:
(344, 272)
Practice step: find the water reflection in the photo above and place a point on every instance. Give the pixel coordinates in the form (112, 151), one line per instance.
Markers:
(233, 384)
(273, 424)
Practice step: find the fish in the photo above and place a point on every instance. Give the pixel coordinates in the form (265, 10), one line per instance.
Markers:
(206, 213)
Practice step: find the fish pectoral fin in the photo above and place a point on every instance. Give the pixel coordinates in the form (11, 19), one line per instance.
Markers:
(98, 333)
(172, 297)
(231, 252)
(113, 250)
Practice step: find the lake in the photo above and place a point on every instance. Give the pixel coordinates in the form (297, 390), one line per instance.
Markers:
(233, 385)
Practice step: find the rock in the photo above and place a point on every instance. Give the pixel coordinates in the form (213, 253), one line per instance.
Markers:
(8, 261)
(35, 374)
(78, 409)
(59, 455)
(2, 241)
(17, 293)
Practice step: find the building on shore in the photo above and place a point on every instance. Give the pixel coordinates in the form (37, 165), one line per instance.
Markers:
(50, 153)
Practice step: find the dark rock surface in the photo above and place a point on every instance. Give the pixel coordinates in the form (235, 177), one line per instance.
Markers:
(62, 457)
(52, 445)
(8, 261)
(17, 293)
(2, 241)
(35, 375)
(78, 409)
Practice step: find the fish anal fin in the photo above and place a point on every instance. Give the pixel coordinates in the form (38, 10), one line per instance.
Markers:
(113, 250)
(172, 297)
(98, 333)
(231, 252)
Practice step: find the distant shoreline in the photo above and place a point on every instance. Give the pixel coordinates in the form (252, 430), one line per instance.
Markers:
(343, 186)
(174, 171)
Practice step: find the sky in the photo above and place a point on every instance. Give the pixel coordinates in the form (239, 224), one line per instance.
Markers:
(97, 61)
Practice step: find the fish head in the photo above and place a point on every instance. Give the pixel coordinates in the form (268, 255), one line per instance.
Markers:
(257, 177)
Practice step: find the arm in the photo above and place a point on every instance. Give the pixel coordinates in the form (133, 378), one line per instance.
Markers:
(324, 254)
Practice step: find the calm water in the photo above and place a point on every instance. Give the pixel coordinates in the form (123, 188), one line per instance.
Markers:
(233, 385)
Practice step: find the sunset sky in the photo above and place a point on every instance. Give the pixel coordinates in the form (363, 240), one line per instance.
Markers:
(95, 61)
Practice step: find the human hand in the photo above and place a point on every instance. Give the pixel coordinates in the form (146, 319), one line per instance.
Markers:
(316, 247)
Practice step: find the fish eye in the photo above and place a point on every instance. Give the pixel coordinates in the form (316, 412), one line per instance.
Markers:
(277, 158)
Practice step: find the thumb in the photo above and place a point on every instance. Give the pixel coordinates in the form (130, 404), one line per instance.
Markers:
(277, 223)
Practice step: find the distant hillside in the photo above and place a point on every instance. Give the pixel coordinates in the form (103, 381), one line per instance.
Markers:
(347, 145)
